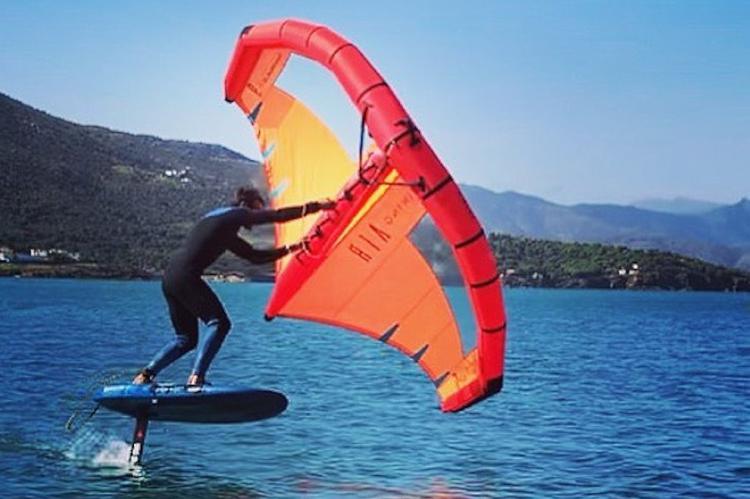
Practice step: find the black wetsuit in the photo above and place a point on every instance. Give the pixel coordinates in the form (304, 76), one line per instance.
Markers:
(189, 297)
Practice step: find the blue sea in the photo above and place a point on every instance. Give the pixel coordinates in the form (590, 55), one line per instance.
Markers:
(613, 393)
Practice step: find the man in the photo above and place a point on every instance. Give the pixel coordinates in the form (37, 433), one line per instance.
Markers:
(189, 297)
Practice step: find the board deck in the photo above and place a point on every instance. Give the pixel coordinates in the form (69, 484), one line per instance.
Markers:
(207, 404)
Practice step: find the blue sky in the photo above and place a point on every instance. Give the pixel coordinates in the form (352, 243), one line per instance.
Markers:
(586, 101)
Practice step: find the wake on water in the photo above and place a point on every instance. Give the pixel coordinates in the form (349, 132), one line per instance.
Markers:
(93, 447)
(107, 452)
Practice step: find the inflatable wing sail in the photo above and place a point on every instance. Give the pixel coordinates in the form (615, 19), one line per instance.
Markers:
(362, 271)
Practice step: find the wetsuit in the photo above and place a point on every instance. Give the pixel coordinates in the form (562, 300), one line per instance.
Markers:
(189, 297)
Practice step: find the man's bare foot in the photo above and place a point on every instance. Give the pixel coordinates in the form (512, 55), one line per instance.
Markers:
(196, 380)
(144, 377)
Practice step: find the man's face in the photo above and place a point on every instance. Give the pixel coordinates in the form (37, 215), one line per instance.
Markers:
(257, 204)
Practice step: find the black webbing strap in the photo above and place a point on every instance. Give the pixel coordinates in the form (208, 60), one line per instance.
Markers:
(362, 125)
(411, 131)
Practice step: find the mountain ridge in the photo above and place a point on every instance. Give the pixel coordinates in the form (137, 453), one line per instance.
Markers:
(721, 235)
(679, 205)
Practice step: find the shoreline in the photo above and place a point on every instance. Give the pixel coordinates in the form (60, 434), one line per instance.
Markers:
(96, 272)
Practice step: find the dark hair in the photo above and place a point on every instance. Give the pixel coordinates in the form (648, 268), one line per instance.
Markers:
(246, 195)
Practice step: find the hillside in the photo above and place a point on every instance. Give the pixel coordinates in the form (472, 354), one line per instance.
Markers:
(539, 263)
(119, 199)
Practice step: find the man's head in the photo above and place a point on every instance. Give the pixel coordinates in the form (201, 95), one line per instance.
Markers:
(249, 197)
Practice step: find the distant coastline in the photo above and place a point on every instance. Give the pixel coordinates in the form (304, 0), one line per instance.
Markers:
(511, 280)
(73, 270)
(96, 271)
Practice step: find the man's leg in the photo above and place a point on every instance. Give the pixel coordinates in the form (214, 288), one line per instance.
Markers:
(213, 314)
(186, 338)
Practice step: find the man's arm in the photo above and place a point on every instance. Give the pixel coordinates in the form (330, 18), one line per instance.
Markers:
(257, 217)
(239, 247)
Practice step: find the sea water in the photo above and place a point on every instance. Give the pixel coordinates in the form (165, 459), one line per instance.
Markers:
(606, 392)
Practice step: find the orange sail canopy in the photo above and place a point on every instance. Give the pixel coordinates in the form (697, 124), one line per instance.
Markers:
(362, 271)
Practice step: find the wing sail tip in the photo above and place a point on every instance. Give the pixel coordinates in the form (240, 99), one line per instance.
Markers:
(471, 394)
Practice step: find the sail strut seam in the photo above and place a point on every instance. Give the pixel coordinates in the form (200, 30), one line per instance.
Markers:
(486, 283)
(494, 330)
(447, 180)
(474, 238)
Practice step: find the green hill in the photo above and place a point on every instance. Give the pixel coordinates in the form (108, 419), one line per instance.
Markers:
(539, 263)
(121, 200)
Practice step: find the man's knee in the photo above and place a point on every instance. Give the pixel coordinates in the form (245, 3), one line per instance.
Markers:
(222, 325)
